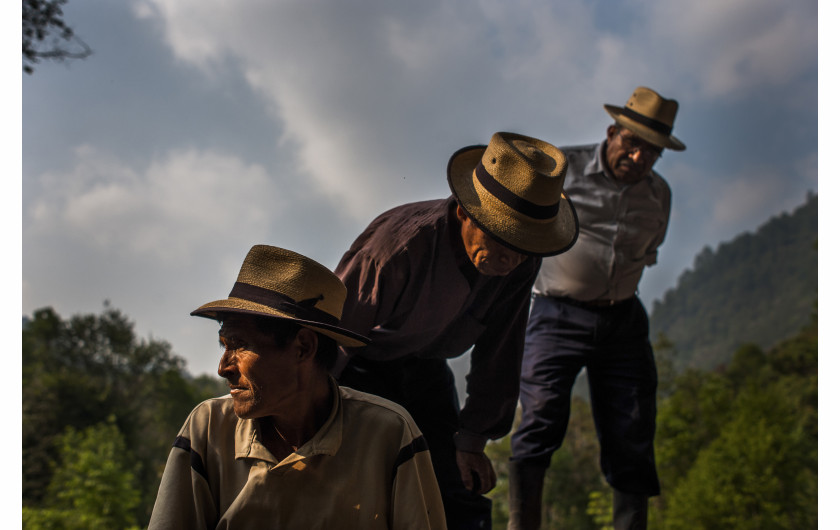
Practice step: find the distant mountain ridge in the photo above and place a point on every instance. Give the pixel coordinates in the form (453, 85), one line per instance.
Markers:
(758, 288)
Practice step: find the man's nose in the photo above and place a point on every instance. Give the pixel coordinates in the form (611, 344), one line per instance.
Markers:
(226, 364)
(637, 156)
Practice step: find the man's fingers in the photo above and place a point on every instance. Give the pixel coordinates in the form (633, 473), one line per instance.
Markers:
(477, 472)
(466, 474)
(476, 482)
(487, 480)
(467, 480)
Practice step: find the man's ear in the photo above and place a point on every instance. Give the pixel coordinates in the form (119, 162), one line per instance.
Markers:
(306, 342)
(611, 130)
(460, 213)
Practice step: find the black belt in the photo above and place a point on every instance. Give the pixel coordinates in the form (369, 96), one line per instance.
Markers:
(593, 304)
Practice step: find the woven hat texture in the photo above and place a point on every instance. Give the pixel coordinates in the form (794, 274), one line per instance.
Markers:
(513, 189)
(276, 282)
(650, 116)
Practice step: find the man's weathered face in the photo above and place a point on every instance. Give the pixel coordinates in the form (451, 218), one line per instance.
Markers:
(262, 376)
(629, 158)
(489, 257)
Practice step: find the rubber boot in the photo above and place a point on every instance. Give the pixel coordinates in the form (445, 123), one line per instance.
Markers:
(525, 495)
(629, 511)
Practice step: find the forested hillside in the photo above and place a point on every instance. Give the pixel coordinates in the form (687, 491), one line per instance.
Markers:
(759, 288)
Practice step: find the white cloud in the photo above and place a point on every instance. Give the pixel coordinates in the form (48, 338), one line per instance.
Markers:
(356, 86)
(162, 213)
(730, 48)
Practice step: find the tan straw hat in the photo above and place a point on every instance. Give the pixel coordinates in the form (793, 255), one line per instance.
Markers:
(513, 189)
(279, 283)
(650, 116)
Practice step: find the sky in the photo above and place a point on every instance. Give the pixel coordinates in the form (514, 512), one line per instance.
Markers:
(198, 128)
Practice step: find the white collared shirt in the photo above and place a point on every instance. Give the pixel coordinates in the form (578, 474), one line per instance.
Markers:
(621, 227)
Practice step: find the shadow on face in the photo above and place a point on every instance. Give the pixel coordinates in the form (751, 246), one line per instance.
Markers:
(629, 157)
(488, 256)
(261, 373)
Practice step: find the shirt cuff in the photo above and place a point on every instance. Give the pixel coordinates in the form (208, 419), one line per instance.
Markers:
(469, 442)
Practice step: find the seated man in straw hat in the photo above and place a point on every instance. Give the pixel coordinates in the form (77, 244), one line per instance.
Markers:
(428, 281)
(289, 448)
(586, 314)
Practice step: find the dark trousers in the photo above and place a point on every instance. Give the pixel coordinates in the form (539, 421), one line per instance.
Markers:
(613, 344)
(426, 388)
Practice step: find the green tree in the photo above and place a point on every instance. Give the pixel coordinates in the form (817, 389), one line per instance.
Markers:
(688, 421)
(81, 372)
(207, 386)
(755, 475)
(47, 36)
(600, 509)
(737, 448)
(93, 486)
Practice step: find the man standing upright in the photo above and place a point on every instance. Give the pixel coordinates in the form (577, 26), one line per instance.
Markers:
(427, 281)
(586, 314)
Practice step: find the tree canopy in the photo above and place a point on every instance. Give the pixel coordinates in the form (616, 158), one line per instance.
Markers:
(94, 487)
(47, 36)
(758, 288)
(88, 377)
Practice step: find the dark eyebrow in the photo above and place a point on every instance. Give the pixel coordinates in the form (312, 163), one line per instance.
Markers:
(230, 340)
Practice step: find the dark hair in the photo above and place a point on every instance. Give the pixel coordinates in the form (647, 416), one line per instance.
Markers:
(285, 330)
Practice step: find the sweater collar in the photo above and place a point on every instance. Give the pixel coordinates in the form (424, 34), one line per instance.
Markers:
(326, 441)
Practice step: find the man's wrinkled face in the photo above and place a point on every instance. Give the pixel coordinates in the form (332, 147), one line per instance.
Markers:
(489, 257)
(629, 158)
(262, 376)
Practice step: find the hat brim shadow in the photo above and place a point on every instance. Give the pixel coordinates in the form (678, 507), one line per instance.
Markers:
(646, 133)
(342, 336)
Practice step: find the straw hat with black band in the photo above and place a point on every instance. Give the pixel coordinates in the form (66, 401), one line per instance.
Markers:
(650, 116)
(279, 283)
(513, 190)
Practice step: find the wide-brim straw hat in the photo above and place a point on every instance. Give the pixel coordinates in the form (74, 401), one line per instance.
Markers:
(650, 116)
(512, 189)
(279, 283)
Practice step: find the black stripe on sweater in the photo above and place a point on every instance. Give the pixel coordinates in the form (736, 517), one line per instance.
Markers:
(418, 445)
(195, 459)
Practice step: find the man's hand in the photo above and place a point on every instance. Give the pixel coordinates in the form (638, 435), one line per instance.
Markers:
(478, 466)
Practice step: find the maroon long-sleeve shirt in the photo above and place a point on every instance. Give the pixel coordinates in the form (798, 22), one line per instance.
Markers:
(414, 292)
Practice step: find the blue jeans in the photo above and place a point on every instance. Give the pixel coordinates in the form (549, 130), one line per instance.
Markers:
(426, 388)
(613, 344)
